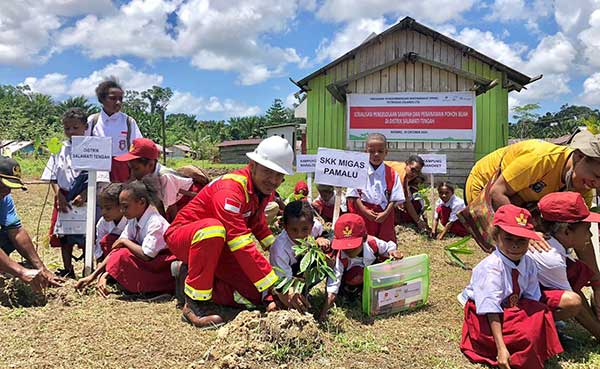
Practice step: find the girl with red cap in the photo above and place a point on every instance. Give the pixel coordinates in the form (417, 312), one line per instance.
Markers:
(356, 250)
(566, 222)
(505, 323)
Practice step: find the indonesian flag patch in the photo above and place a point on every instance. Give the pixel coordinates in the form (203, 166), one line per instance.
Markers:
(232, 205)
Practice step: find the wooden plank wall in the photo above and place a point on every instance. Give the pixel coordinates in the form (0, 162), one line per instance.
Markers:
(326, 116)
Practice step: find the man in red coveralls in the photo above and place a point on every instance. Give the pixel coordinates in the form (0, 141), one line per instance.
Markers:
(213, 236)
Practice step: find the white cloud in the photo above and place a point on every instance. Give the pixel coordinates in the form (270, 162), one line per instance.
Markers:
(290, 100)
(54, 84)
(591, 90)
(127, 75)
(590, 39)
(434, 11)
(511, 10)
(486, 43)
(352, 35)
(572, 15)
(185, 102)
(554, 54)
(69, 8)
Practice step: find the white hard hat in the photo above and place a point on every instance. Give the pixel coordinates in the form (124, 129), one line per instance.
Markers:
(274, 153)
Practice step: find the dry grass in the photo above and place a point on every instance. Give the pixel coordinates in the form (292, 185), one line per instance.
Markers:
(86, 331)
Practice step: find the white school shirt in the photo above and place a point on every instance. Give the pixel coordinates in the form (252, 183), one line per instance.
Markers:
(170, 182)
(456, 205)
(115, 127)
(103, 228)
(59, 168)
(331, 202)
(552, 266)
(368, 257)
(282, 255)
(376, 187)
(152, 227)
(491, 282)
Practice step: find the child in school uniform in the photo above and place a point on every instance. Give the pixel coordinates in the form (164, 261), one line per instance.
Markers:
(300, 192)
(298, 223)
(505, 323)
(140, 261)
(61, 175)
(566, 223)
(111, 122)
(112, 223)
(142, 159)
(446, 209)
(383, 191)
(355, 251)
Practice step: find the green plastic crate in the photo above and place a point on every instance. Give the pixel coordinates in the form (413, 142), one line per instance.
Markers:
(395, 286)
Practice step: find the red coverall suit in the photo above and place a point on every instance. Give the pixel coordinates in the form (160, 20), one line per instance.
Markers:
(213, 235)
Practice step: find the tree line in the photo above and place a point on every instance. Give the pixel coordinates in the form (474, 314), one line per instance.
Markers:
(528, 123)
(28, 115)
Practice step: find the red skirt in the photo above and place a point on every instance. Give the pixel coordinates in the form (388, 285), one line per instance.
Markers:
(443, 213)
(139, 276)
(402, 216)
(106, 243)
(384, 231)
(529, 334)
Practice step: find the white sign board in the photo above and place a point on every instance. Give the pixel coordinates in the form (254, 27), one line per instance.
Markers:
(306, 163)
(341, 168)
(71, 222)
(92, 153)
(434, 163)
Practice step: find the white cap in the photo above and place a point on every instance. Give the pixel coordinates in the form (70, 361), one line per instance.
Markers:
(274, 153)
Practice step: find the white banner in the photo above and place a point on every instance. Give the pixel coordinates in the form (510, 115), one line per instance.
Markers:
(306, 163)
(342, 168)
(413, 116)
(434, 163)
(92, 153)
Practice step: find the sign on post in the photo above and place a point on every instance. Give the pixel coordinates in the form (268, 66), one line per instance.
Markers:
(434, 164)
(93, 154)
(306, 164)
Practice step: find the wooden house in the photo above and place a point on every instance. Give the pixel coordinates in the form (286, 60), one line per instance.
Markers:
(234, 152)
(410, 57)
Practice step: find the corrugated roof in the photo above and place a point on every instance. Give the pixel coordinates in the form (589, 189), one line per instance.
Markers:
(249, 141)
(410, 23)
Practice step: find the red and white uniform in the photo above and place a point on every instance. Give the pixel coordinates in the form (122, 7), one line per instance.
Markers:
(213, 235)
(350, 270)
(137, 275)
(106, 234)
(500, 286)
(383, 186)
(169, 183)
(447, 212)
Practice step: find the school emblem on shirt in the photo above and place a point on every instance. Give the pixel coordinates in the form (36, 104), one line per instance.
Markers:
(232, 205)
(123, 145)
(513, 299)
(347, 231)
(538, 186)
(521, 219)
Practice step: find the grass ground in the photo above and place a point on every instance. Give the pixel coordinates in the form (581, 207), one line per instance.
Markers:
(87, 331)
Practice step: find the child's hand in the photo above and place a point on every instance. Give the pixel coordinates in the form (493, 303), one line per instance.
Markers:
(118, 244)
(84, 282)
(380, 217)
(440, 236)
(102, 285)
(79, 200)
(324, 244)
(503, 359)
(370, 214)
(397, 255)
(295, 301)
(63, 204)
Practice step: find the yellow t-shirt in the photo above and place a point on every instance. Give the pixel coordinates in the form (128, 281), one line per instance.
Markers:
(532, 168)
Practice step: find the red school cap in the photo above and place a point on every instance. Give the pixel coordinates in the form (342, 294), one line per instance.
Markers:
(516, 221)
(349, 232)
(568, 207)
(140, 148)
(300, 186)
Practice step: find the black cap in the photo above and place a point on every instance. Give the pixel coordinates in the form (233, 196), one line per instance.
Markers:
(10, 173)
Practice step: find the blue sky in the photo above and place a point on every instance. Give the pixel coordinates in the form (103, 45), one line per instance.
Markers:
(233, 57)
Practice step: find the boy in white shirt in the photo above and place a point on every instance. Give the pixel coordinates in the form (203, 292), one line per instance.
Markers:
(112, 223)
(111, 122)
(142, 160)
(356, 250)
(383, 191)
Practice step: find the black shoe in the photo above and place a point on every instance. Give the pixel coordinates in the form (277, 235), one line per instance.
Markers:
(179, 271)
(63, 273)
(197, 314)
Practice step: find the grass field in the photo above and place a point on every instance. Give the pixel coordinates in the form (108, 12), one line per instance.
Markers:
(86, 331)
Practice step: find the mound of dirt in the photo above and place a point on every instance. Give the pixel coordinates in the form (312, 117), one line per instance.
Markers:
(216, 172)
(15, 293)
(252, 340)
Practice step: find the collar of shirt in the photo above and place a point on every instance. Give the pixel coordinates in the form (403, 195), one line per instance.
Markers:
(521, 267)
(559, 247)
(449, 202)
(106, 118)
(379, 172)
(150, 210)
(121, 225)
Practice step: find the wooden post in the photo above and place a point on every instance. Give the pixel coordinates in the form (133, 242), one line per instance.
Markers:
(90, 223)
(338, 204)
(309, 183)
(432, 197)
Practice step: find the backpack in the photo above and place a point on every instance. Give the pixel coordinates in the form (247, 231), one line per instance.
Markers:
(129, 121)
(390, 180)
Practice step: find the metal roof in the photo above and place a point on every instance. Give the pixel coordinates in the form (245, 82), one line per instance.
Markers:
(410, 23)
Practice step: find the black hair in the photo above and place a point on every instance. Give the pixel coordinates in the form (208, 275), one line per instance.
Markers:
(551, 228)
(105, 86)
(297, 209)
(376, 137)
(415, 159)
(449, 185)
(76, 114)
(143, 189)
(144, 161)
(111, 192)
(323, 187)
